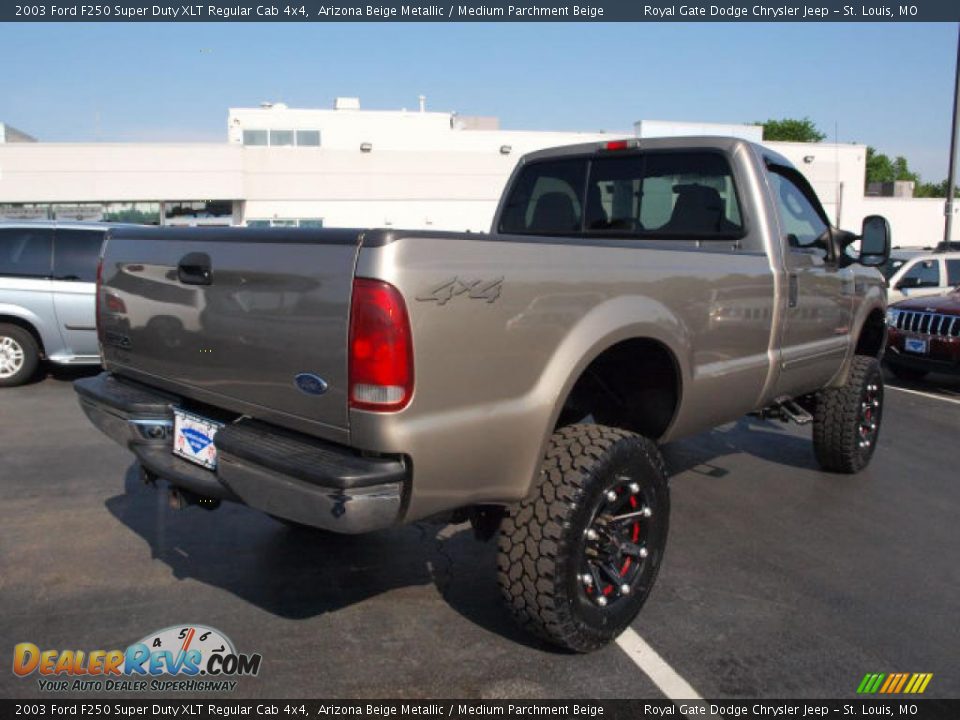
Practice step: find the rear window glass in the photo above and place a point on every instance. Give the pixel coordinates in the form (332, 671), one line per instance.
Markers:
(75, 254)
(545, 199)
(25, 252)
(663, 195)
(682, 195)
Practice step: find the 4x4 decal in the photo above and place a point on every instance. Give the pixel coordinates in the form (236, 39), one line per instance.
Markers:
(488, 290)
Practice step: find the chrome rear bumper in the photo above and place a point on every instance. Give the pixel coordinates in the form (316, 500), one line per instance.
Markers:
(268, 468)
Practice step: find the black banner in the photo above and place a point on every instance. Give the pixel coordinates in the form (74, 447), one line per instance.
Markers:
(914, 709)
(484, 11)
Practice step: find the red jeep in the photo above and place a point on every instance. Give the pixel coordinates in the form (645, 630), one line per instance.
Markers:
(924, 336)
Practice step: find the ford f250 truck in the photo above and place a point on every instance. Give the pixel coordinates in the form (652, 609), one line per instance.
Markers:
(630, 293)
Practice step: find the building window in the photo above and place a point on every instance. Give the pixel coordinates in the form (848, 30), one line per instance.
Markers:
(254, 137)
(286, 222)
(281, 138)
(198, 208)
(198, 212)
(308, 138)
(145, 213)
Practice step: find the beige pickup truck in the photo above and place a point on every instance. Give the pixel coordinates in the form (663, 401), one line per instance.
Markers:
(630, 293)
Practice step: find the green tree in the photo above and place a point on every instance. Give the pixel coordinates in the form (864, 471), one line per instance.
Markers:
(879, 167)
(791, 130)
(933, 190)
(902, 172)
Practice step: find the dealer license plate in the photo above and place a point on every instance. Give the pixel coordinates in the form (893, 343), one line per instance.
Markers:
(193, 438)
(917, 346)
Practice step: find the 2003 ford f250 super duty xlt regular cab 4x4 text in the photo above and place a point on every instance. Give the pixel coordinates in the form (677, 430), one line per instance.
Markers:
(630, 293)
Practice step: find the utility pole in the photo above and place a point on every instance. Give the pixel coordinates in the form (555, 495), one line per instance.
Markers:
(952, 173)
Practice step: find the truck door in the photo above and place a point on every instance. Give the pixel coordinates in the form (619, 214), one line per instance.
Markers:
(819, 303)
(75, 256)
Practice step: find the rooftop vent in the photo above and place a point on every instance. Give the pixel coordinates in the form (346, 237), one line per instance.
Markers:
(347, 103)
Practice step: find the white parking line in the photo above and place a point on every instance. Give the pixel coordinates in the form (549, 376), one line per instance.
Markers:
(955, 401)
(656, 668)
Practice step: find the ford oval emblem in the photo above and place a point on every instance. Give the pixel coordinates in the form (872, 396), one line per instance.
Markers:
(311, 384)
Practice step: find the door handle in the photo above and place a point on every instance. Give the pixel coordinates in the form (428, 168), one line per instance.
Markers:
(194, 269)
(793, 289)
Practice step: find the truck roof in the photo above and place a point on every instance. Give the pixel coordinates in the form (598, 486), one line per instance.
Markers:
(717, 142)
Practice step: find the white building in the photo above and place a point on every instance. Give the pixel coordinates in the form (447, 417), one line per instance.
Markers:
(348, 167)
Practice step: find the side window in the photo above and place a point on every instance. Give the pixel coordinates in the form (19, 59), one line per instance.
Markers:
(801, 219)
(75, 254)
(688, 195)
(545, 199)
(953, 273)
(922, 274)
(26, 252)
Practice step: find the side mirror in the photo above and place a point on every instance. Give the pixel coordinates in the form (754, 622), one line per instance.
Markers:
(874, 241)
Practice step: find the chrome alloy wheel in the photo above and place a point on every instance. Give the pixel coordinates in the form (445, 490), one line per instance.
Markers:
(11, 357)
(868, 421)
(615, 543)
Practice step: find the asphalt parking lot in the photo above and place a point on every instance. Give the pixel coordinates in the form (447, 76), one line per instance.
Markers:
(779, 580)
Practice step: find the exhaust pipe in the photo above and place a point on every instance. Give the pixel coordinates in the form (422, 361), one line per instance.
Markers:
(178, 499)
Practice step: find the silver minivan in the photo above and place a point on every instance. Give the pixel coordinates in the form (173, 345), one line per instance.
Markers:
(47, 296)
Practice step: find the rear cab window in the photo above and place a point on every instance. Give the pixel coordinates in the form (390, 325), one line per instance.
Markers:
(657, 195)
(546, 199)
(26, 252)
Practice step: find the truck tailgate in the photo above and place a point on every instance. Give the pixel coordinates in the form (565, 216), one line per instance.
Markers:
(273, 306)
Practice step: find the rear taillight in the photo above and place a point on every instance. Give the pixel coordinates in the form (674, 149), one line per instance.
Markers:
(97, 308)
(381, 348)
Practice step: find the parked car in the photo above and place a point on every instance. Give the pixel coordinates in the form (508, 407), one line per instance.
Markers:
(932, 274)
(898, 257)
(630, 293)
(47, 290)
(924, 336)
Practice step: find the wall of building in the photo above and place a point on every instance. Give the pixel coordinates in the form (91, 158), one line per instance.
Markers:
(75, 172)
(914, 222)
(381, 168)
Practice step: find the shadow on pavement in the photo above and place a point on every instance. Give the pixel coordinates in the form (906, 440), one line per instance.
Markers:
(66, 373)
(764, 439)
(300, 573)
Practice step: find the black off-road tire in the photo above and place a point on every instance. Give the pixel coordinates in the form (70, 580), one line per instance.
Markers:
(542, 539)
(838, 419)
(907, 374)
(22, 341)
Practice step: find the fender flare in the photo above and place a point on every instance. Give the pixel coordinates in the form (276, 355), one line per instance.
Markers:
(607, 324)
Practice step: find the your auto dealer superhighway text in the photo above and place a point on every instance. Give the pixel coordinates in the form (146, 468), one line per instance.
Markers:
(734, 11)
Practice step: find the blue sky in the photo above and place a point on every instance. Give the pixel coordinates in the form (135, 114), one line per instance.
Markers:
(887, 85)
